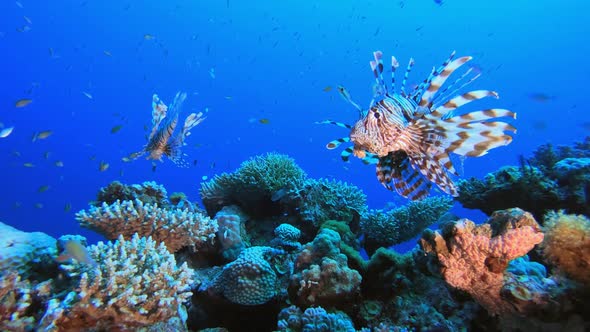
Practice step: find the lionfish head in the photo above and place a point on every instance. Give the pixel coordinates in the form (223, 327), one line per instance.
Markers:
(379, 131)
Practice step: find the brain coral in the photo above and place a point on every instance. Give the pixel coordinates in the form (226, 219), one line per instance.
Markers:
(250, 279)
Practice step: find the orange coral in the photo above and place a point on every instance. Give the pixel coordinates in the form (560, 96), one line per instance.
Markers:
(567, 244)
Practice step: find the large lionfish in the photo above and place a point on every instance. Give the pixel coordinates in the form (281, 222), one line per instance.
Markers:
(164, 120)
(410, 135)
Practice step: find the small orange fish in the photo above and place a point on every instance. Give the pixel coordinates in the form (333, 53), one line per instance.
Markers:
(42, 135)
(75, 250)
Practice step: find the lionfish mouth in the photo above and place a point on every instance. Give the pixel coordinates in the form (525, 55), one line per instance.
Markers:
(411, 135)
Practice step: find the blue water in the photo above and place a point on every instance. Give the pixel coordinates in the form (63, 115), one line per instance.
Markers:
(272, 60)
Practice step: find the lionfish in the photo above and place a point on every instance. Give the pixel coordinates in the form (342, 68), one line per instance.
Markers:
(164, 120)
(410, 135)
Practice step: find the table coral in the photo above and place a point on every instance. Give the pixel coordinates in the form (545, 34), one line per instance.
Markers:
(175, 227)
(474, 258)
(137, 283)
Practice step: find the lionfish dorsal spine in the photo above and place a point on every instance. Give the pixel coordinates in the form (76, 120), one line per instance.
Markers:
(406, 75)
(438, 80)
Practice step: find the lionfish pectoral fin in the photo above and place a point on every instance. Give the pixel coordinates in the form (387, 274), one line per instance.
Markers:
(434, 172)
(337, 142)
(447, 108)
(396, 173)
(471, 135)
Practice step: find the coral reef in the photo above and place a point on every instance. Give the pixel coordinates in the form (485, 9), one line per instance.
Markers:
(316, 319)
(553, 179)
(31, 255)
(567, 244)
(137, 283)
(474, 258)
(176, 228)
(148, 192)
(255, 187)
(321, 200)
(19, 301)
(250, 279)
(388, 228)
(322, 276)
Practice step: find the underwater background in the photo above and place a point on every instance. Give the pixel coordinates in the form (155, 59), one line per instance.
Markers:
(76, 103)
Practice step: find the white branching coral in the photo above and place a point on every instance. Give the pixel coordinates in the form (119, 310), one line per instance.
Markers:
(176, 228)
(136, 283)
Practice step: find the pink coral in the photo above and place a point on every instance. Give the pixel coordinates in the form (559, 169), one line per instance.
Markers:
(474, 258)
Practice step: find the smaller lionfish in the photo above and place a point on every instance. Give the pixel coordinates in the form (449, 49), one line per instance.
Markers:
(164, 120)
(411, 135)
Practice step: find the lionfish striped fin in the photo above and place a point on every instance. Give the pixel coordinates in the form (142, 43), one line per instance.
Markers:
(420, 89)
(370, 159)
(444, 94)
(394, 65)
(407, 182)
(444, 160)
(339, 124)
(408, 70)
(440, 79)
(337, 142)
(434, 172)
(345, 154)
(474, 139)
(458, 101)
(377, 68)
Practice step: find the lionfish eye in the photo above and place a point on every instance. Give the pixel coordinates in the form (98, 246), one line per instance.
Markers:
(377, 115)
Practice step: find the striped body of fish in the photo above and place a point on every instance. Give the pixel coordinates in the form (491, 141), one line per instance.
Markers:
(410, 135)
(162, 140)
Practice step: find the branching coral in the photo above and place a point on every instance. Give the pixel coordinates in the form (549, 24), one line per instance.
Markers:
(17, 302)
(137, 283)
(255, 186)
(387, 228)
(176, 228)
(473, 258)
(567, 244)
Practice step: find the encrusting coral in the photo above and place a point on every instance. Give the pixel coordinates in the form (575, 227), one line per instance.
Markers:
(29, 254)
(567, 244)
(388, 228)
(249, 280)
(174, 227)
(135, 284)
(474, 258)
